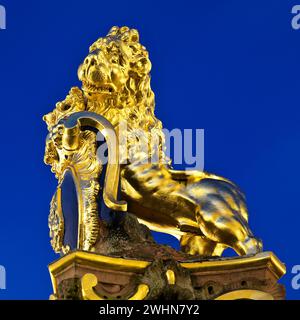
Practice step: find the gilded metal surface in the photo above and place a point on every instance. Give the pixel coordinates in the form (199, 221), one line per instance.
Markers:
(246, 295)
(89, 281)
(207, 212)
(171, 276)
(56, 223)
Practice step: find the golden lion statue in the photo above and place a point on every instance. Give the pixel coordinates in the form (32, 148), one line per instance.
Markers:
(206, 212)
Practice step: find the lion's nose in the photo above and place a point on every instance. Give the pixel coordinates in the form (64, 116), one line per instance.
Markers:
(90, 61)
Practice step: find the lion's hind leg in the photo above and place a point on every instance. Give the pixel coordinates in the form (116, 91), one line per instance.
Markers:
(220, 217)
(200, 245)
(227, 229)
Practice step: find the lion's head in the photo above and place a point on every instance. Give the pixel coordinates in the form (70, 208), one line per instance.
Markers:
(117, 63)
(116, 82)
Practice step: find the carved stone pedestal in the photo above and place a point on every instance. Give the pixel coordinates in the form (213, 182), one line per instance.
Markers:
(90, 276)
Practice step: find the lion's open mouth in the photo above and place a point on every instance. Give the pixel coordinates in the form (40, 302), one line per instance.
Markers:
(106, 88)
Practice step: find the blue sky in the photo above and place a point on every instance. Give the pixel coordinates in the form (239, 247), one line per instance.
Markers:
(229, 67)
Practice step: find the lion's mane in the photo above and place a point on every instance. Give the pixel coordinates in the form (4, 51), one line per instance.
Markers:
(135, 102)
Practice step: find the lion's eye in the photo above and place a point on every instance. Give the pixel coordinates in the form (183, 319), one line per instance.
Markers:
(114, 59)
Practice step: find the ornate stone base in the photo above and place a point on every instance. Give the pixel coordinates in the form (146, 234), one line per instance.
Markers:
(90, 276)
